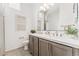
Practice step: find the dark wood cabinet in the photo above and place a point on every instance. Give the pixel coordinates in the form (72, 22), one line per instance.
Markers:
(31, 44)
(43, 47)
(35, 42)
(50, 47)
(61, 50)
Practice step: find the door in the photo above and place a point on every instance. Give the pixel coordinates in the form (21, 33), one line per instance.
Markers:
(2, 37)
(36, 51)
(61, 50)
(43, 48)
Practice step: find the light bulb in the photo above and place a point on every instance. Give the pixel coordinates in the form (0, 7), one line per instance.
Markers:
(46, 6)
(42, 8)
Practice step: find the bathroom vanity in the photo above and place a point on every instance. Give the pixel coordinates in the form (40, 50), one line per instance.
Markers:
(44, 45)
(56, 18)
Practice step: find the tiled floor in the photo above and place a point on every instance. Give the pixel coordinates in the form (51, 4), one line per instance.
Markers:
(18, 52)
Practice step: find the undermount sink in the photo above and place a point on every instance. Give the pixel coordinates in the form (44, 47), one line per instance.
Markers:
(50, 36)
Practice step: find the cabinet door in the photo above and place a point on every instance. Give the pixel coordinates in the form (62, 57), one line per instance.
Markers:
(43, 48)
(61, 50)
(31, 44)
(35, 46)
(50, 46)
(75, 52)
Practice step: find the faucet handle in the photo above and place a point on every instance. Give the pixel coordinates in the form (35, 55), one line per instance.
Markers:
(60, 34)
(56, 33)
(48, 32)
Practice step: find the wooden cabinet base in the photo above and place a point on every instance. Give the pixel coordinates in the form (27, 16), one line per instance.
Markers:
(36, 43)
(42, 47)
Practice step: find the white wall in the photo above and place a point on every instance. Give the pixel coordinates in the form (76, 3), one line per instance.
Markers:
(14, 5)
(2, 40)
(2, 43)
(12, 40)
(27, 10)
(12, 37)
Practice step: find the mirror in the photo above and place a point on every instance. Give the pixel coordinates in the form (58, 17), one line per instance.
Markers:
(52, 18)
(56, 16)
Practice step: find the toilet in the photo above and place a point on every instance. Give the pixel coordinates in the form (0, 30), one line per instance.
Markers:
(25, 44)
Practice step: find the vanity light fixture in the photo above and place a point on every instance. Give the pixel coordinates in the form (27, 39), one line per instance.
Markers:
(46, 6)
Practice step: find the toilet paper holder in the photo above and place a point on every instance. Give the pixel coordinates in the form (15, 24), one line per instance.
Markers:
(21, 37)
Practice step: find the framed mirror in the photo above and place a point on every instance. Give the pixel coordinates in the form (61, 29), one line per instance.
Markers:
(56, 16)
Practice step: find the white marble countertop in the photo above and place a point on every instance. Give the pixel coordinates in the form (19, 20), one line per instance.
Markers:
(61, 40)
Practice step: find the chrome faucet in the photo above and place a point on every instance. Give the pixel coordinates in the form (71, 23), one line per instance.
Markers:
(47, 32)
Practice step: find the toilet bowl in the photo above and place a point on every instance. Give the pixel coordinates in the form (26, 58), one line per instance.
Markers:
(25, 44)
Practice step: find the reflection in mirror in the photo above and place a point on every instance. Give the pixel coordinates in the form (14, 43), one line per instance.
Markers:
(52, 18)
(56, 16)
(75, 12)
(43, 14)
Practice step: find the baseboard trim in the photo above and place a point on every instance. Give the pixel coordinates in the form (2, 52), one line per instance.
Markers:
(13, 50)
